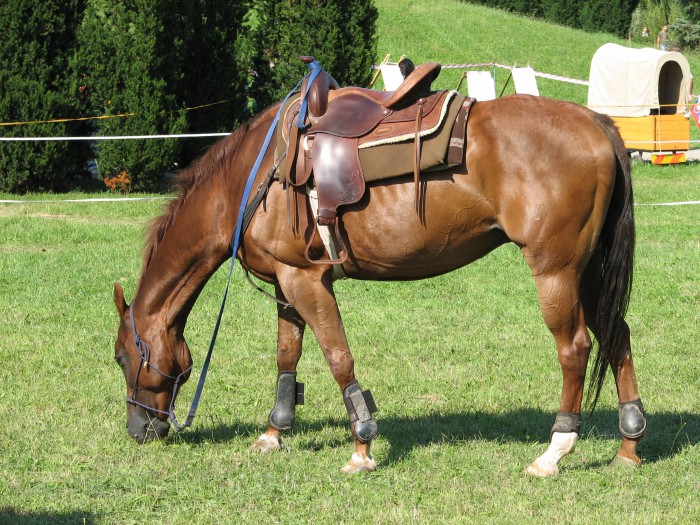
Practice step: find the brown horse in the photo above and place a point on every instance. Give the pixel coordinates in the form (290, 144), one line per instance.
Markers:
(550, 176)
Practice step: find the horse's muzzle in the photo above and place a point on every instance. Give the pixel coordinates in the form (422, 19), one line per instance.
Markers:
(143, 427)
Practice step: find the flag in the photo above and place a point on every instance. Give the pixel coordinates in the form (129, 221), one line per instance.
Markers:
(695, 112)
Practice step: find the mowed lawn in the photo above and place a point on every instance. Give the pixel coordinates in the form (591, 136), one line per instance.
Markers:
(462, 367)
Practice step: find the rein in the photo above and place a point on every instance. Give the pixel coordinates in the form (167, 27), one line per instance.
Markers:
(143, 348)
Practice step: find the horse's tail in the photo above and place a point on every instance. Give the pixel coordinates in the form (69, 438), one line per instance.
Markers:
(616, 247)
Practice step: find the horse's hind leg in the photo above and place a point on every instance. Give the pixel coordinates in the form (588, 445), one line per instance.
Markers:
(310, 291)
(564, 315)
(631, 414)
(290, 334)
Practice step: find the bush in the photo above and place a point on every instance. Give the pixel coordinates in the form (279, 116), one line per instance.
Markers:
(38, 41)
(607, 16)
(149, 67)
(129, 61)
(340, 34)
(686, 35)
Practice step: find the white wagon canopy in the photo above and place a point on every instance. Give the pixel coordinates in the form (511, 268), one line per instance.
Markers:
(627, 82)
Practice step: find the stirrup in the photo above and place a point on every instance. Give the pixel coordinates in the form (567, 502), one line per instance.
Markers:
(343, 250)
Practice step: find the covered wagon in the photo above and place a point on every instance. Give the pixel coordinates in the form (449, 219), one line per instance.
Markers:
(646, 92)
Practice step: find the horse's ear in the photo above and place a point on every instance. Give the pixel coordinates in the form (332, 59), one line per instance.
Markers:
(119, 301)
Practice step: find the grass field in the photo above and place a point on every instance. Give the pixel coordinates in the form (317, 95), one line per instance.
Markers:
(462, 367)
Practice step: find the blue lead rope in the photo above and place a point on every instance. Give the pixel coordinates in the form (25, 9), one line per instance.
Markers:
(314, 69)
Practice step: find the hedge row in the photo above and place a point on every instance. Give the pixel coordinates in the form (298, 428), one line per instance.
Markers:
(156, 60)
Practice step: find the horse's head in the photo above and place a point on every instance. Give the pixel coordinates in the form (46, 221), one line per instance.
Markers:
(155, 361)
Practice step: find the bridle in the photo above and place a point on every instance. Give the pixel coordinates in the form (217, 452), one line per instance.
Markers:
(145, 362)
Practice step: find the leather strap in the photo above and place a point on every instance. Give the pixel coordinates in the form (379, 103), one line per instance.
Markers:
(416, 157)
(343, 251)
(458, 138)
(292, 152)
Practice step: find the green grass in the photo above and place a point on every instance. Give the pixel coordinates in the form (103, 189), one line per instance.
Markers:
(462, 367)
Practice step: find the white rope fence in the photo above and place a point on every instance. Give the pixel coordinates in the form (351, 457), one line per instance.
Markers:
(503, 66)
(97, 199)
(205, 135)
(166, 197)
(114, 137)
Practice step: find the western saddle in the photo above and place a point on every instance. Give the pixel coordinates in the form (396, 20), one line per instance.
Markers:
(341, 123)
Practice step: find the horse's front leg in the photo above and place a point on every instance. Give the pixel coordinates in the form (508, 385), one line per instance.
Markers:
(289, 393)
(310, 291)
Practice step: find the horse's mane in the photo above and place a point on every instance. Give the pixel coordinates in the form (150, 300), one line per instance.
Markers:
(213, 163)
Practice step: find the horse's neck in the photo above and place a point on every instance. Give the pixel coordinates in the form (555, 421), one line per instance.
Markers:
(195, 245)
(198, 239)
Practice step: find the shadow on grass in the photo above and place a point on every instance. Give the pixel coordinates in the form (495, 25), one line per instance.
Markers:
(14, 517)
(667, 433)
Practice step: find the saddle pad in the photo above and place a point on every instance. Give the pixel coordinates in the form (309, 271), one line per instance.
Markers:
(385, 132)
(386, 160)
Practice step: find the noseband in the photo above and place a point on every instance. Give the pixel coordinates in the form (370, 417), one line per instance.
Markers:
(145, 358)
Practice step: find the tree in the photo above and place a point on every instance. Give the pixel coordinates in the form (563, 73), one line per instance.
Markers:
(338, 33)
(656, 13)
(160, 67)
(213, 80)
(564, 12)
(607, 16)
(38, 41)
(128, 58)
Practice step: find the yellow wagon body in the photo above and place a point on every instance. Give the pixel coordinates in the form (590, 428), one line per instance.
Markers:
(655, 132)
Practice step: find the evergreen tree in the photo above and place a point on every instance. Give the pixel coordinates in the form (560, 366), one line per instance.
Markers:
(564, 12)
(607, 16)
(160, 61)
(340, 34)
(212, 80)
(128, 59)
(35, 84)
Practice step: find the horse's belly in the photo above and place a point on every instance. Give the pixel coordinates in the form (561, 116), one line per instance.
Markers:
(389, 239)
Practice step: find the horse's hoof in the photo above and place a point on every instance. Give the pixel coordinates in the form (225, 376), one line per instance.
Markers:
(266, 443)
(542, 469)
(622, 462)
(359, 464)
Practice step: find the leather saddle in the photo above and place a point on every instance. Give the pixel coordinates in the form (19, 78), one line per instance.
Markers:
(342, 121)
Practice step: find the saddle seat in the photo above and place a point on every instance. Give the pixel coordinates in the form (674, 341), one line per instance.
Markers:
(415, 86)
(325, 89)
